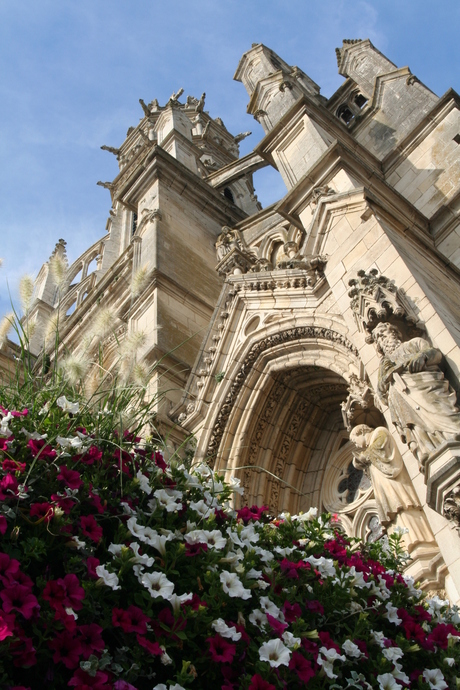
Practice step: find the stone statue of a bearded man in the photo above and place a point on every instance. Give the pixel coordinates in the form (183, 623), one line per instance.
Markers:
(422, 404)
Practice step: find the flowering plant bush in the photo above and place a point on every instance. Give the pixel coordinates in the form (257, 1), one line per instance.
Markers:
(121, 570)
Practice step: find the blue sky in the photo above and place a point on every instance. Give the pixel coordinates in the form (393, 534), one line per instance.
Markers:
(72, 72)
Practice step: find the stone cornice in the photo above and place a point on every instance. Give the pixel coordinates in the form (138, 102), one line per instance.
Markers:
(237, 169)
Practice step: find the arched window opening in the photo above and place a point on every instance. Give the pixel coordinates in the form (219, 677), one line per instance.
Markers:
(71, 309)
(134, 223)
(228, 194)
(345, 114)
(360, 100)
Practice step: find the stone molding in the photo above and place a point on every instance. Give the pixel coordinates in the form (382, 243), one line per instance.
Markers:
(257, 349)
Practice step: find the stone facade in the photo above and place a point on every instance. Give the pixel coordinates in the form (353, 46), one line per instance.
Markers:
(265, 323)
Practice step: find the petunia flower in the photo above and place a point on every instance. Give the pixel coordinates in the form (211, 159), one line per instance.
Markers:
(435, 679)
(157, 584)
(19, 598)
(275, 652)
(387, 681)
(221, 650)
(90, 528)
(67, 406)
(232, 585)
(258, 683)
(109, 579)
(71, 477)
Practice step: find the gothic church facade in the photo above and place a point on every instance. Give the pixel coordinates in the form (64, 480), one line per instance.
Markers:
(312, 347)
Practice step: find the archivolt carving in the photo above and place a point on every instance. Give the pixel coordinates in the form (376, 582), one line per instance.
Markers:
(271, 341)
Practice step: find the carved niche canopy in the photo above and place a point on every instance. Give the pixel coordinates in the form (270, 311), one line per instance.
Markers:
(375, 298)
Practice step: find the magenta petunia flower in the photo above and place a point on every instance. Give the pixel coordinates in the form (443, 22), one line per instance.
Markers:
(74, 592)
(81, 680)
(23, 651)
(19, 598)
(159, 460)
(291, 611)
(276, 625)
(42, 511)
(258, 683)
(152, 647)
(131, 620)
(90, 528)
(3, 524)
(39, 447)
(70, 477)
(13, 465)
(65, 503)
(301, 666)
(55, 593)
(6, 625)
(91, 564)
(67, 649)
(8, 486)
(90, 639)
(221, 650)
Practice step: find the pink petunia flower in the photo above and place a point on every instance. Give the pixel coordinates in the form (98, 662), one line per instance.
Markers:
(90, 639)
(221, 650)
(19, 598)
(3, 524)
(301, 666)
(91, 564)
(38, 447)
(43, 511)
(152, 647)
(6, 625)
(258, 683)
(70, 477)
(67, 649)
(90, 528)
(83, 680)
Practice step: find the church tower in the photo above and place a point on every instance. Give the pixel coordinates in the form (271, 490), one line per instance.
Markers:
(312, 347)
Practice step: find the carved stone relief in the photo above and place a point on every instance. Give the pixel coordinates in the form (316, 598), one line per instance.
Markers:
(395, 496)
(422, 404)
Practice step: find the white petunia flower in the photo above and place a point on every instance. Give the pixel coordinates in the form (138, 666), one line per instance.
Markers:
(135, 529)
(158, 541)
(158, 585)
(378, 637)
(275, 652)
(73, 442)
(67, 406)
(450, 661)
(110, 579)
(258, 618)
(165, 658)
(356, 578)
(177, 599)
(399, 674)
(201, 507)
(141, 559)
(232, 585)
(269, 607)
(224, 630)
(435, 679)
(392, 614)
(78, 542)
(387, 682)
(168, 499)
(235, 485)
(325, 566)
(326, 658)
(351, 649)
(144, 483)
(116, 549)
(306, 517)
(291, 641)
(254, 574)
(393, 653)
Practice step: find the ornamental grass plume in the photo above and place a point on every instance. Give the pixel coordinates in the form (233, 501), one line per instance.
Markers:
(104, 323)
(58, 267)
(140, 280)
(74, 368)
(6, 325)
(26, 291)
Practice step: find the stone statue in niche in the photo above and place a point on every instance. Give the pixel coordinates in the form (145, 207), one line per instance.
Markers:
(422, 404)
(227, 240)
(395, 496)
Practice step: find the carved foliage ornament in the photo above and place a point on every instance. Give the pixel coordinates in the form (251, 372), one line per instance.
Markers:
(375, 298)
